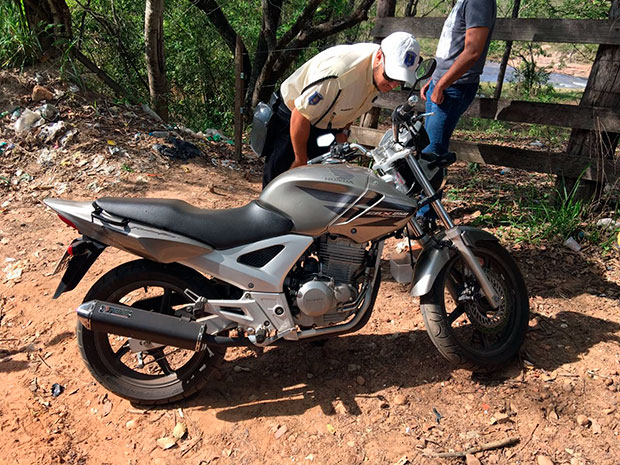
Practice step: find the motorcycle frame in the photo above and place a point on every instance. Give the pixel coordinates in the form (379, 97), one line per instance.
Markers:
(263, 306)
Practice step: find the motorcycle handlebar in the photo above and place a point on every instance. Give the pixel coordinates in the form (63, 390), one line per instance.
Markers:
(340, 152)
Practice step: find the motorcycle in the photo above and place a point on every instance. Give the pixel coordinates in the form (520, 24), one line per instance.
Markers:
(300, 263)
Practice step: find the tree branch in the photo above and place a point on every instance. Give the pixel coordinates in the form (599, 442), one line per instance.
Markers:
(220, 22)
(101, 74)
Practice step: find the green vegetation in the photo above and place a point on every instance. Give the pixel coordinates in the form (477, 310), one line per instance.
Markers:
(534, 212)
(19, 46)
(199, 63)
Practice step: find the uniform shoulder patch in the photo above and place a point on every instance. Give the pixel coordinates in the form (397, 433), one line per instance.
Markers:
(315, 98)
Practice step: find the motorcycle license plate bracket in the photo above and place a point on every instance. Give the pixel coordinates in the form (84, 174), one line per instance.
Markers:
(76, 265)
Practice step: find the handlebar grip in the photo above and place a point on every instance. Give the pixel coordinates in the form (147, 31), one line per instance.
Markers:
(405, 109)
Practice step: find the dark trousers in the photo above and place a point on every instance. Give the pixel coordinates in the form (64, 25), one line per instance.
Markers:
(278, 150)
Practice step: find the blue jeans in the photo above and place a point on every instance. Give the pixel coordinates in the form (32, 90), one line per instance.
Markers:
(440, 126)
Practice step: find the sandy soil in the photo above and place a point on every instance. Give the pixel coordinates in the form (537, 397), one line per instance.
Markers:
(369, 397)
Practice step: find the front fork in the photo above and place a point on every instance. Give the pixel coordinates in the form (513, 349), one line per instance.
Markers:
(454, 233)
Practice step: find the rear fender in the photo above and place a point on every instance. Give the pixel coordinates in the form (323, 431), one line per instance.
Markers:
(79, 264)
(434, 257)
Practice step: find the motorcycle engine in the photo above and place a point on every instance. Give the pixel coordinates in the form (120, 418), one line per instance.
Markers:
(330, 283)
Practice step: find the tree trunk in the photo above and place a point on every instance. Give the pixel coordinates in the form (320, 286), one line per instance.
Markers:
(602, 90)
(504, 64)
(385, 9)
(41, 14)
(411, 9)
(155, 61)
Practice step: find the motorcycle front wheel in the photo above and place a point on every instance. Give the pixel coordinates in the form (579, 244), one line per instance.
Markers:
(161, 374)
(460, 322)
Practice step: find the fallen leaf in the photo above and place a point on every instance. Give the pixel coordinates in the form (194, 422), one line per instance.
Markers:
(179, 430)
(166, 443)
(107, 408)
(280, 432)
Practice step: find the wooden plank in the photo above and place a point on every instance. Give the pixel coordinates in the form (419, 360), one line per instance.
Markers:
(517, 111)
(530, 160)
(581, 31)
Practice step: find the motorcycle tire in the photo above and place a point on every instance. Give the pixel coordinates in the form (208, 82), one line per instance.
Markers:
(160, 375)
(462, 325)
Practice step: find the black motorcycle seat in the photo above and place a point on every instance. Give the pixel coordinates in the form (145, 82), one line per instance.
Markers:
(221, 229)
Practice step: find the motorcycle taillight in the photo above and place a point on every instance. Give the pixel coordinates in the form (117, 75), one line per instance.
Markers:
(67, 222)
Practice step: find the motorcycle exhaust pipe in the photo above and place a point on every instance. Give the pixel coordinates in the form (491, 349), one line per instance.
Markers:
(150, 326)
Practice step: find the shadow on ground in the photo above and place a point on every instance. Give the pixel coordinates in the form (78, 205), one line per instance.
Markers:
(290, 380)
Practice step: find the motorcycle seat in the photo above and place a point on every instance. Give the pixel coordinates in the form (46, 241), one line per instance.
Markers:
(221, 229)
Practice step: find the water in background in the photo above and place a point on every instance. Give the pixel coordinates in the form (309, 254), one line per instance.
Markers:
(563, 81)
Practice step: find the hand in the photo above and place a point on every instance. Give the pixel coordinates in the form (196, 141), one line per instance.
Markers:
(437, 96)
(297, 163)
(424, 89)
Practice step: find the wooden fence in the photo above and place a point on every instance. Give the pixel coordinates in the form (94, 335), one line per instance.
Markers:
(604, 120)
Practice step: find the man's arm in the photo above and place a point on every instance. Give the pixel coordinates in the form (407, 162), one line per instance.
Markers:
(300, 132)
(475, 40)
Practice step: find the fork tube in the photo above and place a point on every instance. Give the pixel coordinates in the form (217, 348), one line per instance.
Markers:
(454, 234)
(429, 191)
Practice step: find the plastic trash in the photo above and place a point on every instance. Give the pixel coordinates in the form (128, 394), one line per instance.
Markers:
(400, 268)
(48, 111)
(180, 150)
(151, 113)
(28, 119)
(608, 223)
(50, 132)
(162, 134)
(57, 389)
(572, 244)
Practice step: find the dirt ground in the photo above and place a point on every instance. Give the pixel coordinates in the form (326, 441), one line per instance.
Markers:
(381, 396)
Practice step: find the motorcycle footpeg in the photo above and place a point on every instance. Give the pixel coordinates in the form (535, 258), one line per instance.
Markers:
(142, 324)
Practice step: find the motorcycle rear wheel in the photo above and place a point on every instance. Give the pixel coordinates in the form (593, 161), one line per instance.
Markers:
(462, 325)
(159, 375)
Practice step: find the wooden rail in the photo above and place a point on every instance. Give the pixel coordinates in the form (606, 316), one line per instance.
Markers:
(582, 31)
(531, 160)
(517, 111)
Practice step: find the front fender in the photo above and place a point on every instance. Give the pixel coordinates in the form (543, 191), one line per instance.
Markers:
(433, 258)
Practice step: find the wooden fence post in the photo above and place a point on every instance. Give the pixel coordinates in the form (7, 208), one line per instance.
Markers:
(602, 90)
(239, 98)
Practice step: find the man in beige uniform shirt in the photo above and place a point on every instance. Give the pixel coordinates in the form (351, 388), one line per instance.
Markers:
(329, 92)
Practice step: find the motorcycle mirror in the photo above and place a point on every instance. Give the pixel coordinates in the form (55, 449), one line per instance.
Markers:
(325, 140)
(425, 69)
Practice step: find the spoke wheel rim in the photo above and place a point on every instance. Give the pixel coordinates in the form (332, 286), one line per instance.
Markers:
(477, 327)
(116, 354)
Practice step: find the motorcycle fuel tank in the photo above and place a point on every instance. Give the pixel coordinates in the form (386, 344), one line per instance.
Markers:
(341, 199)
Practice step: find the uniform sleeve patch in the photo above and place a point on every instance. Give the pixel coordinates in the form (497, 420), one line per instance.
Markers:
(315, 98)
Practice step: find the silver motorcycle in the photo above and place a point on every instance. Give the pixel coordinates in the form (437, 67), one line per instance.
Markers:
(300, 263)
